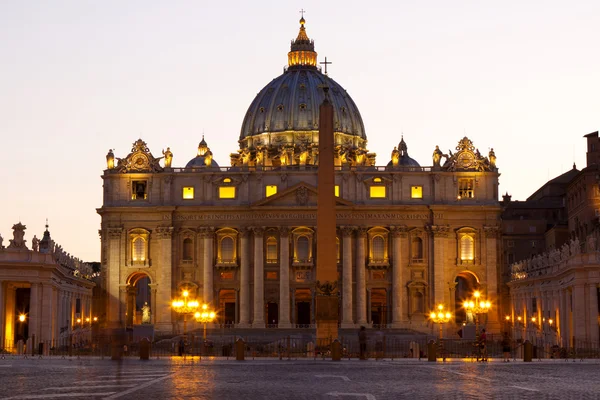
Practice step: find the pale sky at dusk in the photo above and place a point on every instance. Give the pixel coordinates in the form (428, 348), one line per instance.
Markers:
(80, 77)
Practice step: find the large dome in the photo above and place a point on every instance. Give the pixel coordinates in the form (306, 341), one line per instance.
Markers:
(291, 102)
(281, 126)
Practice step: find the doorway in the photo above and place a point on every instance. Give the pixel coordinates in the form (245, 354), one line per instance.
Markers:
(272, 314)
(303, 312)
(466, 284)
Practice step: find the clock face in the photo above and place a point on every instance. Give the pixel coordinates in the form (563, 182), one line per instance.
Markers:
(466, 160)
(139, 162)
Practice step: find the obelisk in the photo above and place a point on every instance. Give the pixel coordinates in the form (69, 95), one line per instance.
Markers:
(327, 276)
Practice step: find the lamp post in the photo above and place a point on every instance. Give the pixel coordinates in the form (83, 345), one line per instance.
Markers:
(477, 305)
(440, 317)
(185, 306)
(204, 317)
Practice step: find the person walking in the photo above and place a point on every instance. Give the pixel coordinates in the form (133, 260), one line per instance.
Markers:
(483, 345)
(362, 342)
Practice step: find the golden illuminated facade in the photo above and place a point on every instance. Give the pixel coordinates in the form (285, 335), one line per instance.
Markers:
(45, 295)
(243, 238)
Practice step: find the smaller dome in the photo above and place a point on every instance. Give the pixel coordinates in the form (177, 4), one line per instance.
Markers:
(400, 158)
(204, 157)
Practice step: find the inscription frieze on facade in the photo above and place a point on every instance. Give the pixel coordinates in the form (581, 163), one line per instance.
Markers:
(295, 215)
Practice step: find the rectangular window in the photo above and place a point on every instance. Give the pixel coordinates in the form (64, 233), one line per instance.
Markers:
(188, 192)
(337, 190)
(270, 190)
(77, 306)
(466, 188)
(416, 192)
(377, 192)
(272, 275)
(138, 190)
(227, 192)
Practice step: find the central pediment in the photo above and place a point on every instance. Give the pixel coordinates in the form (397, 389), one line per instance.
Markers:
(300, 195)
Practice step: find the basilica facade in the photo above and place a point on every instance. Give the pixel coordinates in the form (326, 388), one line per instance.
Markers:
(241, 238)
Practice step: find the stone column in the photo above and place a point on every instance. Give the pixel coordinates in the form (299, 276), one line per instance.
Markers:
(397, 284)
(569, 294)
(284, 278)
(209, 237)
(361, 289)
(293, 296)
(440, 232)
(244, 280)
(46, 313)
(259, 296)
(153, 292)
(112, 279)
(236, 318)
(312, 306)
(593, 321)
(34, 311)
(347, 305)
(369, 319)
(55, 315)
(579, 311)
(164, 292)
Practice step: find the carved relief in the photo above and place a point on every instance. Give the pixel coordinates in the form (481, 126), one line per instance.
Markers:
(164, 232)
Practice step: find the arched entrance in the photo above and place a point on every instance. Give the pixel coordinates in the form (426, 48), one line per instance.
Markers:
(379, 307)
(466, 283)
(303, 299)
(138, 295)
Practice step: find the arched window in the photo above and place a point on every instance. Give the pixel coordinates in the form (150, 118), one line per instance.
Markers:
(302, 248)
(419, 303)
(227, 254)
(271, 250)
(417, 249)
(188, 249)
(378, 244)
(467, 248)
(139, 249)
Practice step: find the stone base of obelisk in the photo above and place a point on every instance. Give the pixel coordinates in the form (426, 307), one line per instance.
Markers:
(327, 319)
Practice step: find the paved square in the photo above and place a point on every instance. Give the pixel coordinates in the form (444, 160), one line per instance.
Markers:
(300, 379)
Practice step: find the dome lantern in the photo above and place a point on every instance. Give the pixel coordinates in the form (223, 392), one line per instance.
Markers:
(302, 52)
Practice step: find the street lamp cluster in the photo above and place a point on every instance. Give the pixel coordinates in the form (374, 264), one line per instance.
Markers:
(440, 317)
(186, 306)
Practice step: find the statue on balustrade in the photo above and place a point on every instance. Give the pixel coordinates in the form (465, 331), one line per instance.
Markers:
(145, 313)
(168, 157)
(35, 243)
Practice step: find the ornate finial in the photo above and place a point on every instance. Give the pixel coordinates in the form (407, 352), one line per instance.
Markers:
(47, 224)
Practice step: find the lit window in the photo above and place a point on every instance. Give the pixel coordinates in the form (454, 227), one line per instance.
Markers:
(139, 249)
(227, 180)
(377, 180)
(377, 192)
(271, 250)
(416, 192)
(337, 190)
(188, 192)
(466, 188)
(227, 192)
(467, 248)
(270, 190)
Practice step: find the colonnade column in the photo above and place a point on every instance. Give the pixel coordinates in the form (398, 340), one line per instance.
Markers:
(209, 237)
(347, 305)
(34, 311)
(361, 289)
(46, 313)
(593, 322)
(244, 280)
(284, 278)
(259, 297)
(164, 290)
(578, 304)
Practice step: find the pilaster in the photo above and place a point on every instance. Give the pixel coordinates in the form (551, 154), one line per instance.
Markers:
(208, 275)
(347, 314)
(244, 279)
(361, 289)
(440, 234)
(165, 280)
(284, 278)
(399, 234)
(113, 276)
(259, 299)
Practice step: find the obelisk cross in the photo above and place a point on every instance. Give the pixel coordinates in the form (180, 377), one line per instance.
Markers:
(302, 12)
(326, 63)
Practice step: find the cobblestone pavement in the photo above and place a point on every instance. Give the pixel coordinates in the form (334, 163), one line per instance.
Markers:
(306, 379)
